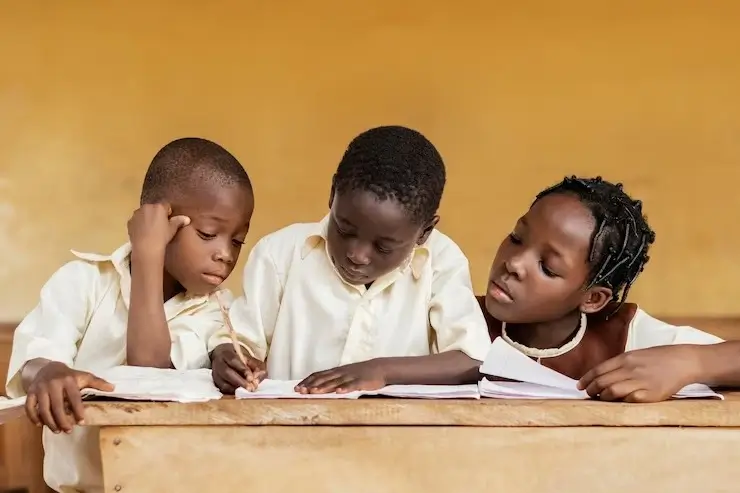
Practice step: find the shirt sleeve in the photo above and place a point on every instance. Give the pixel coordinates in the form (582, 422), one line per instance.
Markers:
(254, 314)
(647, 331)
(454, 312)
(192, 332)
(54, 327)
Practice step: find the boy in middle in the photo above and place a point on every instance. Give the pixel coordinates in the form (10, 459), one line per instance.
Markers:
(371, 295)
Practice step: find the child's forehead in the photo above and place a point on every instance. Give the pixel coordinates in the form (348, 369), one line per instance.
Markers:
(365, 209)
(218, 203)
(560, 218)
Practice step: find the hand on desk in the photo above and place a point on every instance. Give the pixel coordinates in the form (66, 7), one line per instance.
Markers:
(229, 373)
(53, 397)
(367, 375)
(644, 375)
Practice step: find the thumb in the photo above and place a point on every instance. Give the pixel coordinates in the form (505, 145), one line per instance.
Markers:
(177, 222)
(90, 381)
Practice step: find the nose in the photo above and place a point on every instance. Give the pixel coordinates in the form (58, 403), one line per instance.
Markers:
(359, 254)
(224, 254)
(515, 266)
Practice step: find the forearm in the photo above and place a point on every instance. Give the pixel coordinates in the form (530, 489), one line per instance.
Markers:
(30, 370)
(148, 341)
(447, 368)
(719, 364)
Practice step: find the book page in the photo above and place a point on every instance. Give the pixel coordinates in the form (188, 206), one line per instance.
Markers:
(285, 389)
(158, 384)
(7, 403)
(508, 362)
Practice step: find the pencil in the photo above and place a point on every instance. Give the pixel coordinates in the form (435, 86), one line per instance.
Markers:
(232, 332)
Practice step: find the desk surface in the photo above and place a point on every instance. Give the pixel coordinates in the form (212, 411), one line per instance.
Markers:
(410, 412)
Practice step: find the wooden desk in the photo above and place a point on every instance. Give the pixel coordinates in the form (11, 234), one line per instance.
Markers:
(393, 445)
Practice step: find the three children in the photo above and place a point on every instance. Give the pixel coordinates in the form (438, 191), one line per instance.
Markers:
(371, 295)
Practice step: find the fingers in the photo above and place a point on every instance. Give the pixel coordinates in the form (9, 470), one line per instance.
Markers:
(228, 380)
(97, 383)
(323, 382)
(619, 390)
(32, 409)
(44, 410)
(63, 420)
(177, 222)
(74, 398)
(599, 384)
(599, 370)
(229, 373)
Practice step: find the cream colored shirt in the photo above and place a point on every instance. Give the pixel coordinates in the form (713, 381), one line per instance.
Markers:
(645, 331)
(299, 313)
(81, 321)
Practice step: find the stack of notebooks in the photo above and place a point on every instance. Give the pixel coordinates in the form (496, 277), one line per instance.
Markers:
(523, 379)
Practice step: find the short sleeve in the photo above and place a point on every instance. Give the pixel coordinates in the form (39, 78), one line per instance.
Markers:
(647, 331)
(454, 312)
(54, 327)
(254, 314)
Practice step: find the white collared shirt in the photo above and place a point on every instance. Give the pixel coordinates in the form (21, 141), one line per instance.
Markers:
(297, 311)
(81, 321)
(646, 331)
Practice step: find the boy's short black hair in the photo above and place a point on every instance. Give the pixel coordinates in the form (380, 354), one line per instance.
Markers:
(394, 162)
(621, 238)
(183, 164)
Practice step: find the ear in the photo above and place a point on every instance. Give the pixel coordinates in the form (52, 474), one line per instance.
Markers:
(595, 299)
(331, 192)
(427, 230)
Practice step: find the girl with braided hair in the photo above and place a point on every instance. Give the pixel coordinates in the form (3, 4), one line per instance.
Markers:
(558, 285)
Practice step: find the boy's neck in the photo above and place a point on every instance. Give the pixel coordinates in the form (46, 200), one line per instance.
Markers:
(546, 335)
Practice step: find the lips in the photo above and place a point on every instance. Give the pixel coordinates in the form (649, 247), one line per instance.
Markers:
(351, 274)
(500, 292)
(214, 279)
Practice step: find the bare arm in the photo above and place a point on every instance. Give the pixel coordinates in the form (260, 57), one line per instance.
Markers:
(148, 341)
(447, 368)
(719, 364)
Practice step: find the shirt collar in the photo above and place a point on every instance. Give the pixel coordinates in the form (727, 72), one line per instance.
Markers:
(317, 238)
(121, 261)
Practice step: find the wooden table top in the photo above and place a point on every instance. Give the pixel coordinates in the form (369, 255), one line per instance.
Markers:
(410, 412)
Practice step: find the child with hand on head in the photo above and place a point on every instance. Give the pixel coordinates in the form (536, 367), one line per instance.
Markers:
(558, 286)
(149, 303)
(371, 295)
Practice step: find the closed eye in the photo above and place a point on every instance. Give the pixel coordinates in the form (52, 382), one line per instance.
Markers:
(547, 271)
(515, 239)
(205, 236)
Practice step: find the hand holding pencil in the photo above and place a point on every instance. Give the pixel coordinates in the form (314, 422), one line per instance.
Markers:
(233, 367)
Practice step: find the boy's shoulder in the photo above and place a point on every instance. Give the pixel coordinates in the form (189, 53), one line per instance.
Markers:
(284, 242)
(441, 245)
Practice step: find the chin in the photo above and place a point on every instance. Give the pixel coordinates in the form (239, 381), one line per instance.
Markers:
(500, 311)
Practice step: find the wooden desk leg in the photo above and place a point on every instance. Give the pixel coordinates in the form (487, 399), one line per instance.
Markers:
(320, 459)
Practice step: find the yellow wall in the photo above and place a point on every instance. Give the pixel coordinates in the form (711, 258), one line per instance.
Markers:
(515, 93)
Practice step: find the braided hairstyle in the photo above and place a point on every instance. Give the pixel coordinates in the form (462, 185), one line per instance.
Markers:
(394, 162)
(621, 239)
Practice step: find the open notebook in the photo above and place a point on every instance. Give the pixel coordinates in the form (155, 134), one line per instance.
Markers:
(284, 389)
(534, 381)
(157, 384)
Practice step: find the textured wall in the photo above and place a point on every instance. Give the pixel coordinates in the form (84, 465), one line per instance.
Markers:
(515, 93)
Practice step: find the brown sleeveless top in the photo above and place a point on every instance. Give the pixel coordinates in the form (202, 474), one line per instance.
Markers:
(603, 340)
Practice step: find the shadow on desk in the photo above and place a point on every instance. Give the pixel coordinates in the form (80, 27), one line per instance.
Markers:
(21, 453)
